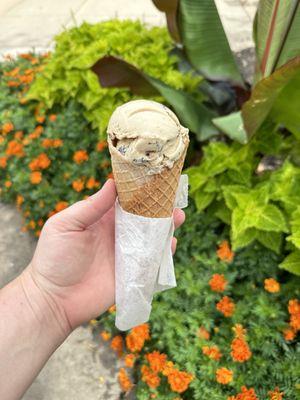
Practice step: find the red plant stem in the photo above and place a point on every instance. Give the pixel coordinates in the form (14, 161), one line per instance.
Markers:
(269, 39)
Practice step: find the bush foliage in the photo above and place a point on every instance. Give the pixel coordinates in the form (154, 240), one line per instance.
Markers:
(226, 324)
(67, 74)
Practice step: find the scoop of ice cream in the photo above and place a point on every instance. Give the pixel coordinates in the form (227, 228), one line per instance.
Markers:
(147, 133)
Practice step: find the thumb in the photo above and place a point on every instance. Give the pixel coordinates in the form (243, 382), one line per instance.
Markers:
(86, 212)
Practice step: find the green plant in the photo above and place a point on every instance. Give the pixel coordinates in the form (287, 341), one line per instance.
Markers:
(67, 74)
(188, 328)
(47, 160)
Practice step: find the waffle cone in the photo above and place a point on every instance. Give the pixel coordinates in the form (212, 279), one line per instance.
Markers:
(143, 194)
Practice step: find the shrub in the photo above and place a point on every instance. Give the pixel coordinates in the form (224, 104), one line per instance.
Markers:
(257, 195)
(67, 74)
(47, 160)
(225, 327)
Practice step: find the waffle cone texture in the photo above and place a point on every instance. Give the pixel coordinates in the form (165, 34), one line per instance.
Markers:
(142, 194)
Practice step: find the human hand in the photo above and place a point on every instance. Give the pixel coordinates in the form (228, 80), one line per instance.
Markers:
(73, 264)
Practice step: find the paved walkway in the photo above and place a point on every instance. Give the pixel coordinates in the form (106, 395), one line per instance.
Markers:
(83, 367)
(28, 24)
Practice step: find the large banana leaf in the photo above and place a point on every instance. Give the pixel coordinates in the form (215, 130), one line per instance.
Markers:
(277, 34)
(204, 40)
(115, 72)
(278, 97)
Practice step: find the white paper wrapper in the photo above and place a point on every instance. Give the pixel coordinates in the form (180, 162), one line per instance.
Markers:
(143, 261)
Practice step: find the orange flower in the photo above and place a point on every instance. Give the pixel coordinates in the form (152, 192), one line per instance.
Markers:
(203, 333)
(23, 100)
(31, 224)
(19, 135)
(52, 117)
(38, 233)
(275, 394)
(224, 252)
(240, 350)
(212, 352)
(13, 72)
(35, 177)
(13, 83)
(218, 283)
(36, 133)
(15, 148)
(80, 156)
(179, 380)
(224, 376)
(151, 378)
(101, 145)
(289, 334)
(156, 360)
(26, 79)
(226, 306)
(61, 205)
(129, 360)
(271, 285)
(294, 306)
(110, 176)
(239, 331)
(7, 127)
(7, 184)
(294, 310)
(57, 143)
(40, 118)
(78, 185)
(40, 222)
(2, 139)
(105, 335)
(246, 394)
(295, 322)
(169, 367)
(19, 200)
(92, 183)
(47, 143)
(124, 380)
(41, 162)
(3, 162)
(112, 309)
(117, 345)
(136, 338)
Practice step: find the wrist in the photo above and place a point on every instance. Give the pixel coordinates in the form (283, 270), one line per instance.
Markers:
(44, 309)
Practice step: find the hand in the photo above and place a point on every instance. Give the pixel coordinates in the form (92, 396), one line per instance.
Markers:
(73, 264)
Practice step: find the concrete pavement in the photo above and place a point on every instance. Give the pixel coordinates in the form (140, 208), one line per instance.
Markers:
(31, 24)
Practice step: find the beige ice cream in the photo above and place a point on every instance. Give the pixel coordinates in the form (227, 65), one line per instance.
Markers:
(148, 134)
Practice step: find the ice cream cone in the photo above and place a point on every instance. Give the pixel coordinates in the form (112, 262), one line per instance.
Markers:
(141, 193)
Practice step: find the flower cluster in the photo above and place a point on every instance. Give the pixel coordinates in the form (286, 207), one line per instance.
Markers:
(294, 323)
(135, 340)
(48, 159)
(240, 350)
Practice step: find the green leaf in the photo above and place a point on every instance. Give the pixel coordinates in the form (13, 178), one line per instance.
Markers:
(115, 72)
(270, 92)
(271, 240)
(231, 193)
(203, 199)
(205, 42)
(223, 212)
(295, 228)
(277, 34)
(196, 178)
(269, 218)
(243, 239)
(292, 263)
(232, 125)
